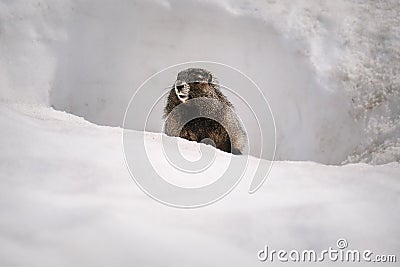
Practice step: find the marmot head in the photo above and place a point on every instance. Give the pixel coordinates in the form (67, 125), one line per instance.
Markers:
(193, 83)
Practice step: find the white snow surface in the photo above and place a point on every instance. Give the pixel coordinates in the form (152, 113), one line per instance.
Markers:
(68, 69)
(328, 68)
(67, 199)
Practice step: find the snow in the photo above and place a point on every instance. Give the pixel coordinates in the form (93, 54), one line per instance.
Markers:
(67, 199)
(308, 57)
(68, 69)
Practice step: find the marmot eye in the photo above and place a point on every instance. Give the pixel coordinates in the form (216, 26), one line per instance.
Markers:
(179, 87)
(196, 82)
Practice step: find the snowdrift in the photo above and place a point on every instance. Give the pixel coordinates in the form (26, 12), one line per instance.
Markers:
(67, 199)
(327, 69)
(69, 68)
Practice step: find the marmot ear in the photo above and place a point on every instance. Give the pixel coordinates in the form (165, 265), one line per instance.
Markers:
(210, 79)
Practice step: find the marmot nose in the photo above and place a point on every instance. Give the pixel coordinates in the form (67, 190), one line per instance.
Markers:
(182, 87)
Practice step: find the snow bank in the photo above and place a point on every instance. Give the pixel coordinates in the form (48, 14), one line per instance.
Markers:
(66, 199)
(327, 68)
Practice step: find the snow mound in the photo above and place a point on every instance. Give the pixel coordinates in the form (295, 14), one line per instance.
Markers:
(327, 68)
(68, 69)
(66, 199)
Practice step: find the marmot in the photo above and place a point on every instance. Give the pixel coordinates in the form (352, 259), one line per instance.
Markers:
(197, 110)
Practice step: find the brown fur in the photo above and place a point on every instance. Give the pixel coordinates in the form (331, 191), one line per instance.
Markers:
(202, 128)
